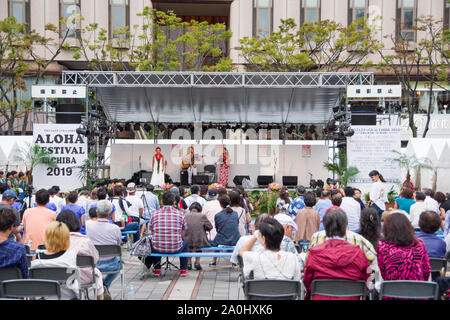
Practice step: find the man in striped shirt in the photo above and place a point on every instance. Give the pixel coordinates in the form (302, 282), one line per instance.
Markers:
(168, 226)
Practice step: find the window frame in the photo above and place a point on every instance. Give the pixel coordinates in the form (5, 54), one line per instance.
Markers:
(399, 23)
(25, 10)
(77, 31)
(256, 8)
(303, 11)
(352, 11)
(447, 14)
(110, 17)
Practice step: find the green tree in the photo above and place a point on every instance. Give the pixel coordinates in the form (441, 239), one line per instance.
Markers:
(33, 155)
(315, 46)
(339, 167)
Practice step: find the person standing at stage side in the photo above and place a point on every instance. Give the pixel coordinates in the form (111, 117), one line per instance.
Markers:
(188, 163)
(378, 193)
(224, 163)
(158, 168)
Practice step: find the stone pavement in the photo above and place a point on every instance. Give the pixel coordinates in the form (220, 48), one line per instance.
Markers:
(211, 283)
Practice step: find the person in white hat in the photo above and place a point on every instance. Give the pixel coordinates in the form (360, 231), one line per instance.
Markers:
(287, 244)
(136, 209)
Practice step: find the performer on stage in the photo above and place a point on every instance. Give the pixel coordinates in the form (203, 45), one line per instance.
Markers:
(188, 163)
(159, 169)
(224, 162)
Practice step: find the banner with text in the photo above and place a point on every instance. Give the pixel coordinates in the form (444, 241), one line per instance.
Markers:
(69, 150)
(370, 148)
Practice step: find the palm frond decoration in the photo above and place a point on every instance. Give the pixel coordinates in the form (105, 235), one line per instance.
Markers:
(33, 155)
(86, 167)
(339, 167)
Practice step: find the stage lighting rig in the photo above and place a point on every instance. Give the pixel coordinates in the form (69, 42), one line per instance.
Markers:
(52, 103)
(147, 127)
(340, 116)
(38, 103)
(82, 131)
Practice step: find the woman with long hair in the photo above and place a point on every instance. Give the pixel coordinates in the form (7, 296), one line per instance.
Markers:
(378, 193)
(369, 226)
(158, 168)
(224, 169)
(401, 255)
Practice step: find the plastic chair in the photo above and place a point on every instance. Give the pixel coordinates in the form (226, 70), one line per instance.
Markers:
(339, 288)
(31, 288)
(272, 289)
(110, 251)
(87, 262)
(409, 289)
(9, 274)
(438, 267)
(60, 274)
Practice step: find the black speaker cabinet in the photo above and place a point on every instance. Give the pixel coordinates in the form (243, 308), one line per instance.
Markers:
(264, 180)
(68, 118)
(238, 180)
(364, 115)
(200, 179)
(184, 177)
(290, 181)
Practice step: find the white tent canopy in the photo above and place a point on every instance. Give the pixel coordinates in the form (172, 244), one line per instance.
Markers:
(438, 153)
(9, 149)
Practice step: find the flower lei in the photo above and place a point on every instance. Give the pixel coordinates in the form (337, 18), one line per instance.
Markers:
(158, 158)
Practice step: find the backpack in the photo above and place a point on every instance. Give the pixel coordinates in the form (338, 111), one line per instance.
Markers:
(143, 247)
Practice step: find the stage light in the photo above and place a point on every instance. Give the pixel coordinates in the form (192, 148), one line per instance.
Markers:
(103, 127)
(94, 114)
(97, 133)
(336, 109)
(52, 103)
(349, 132)
(341, 144)
(82, 131)
(38, 103)
(340, 116)
(380, 109)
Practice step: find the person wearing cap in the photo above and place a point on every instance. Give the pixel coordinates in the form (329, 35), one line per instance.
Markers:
(8, 199)
(289, 226)
(136, 209)
(298, 203)
(212, 207)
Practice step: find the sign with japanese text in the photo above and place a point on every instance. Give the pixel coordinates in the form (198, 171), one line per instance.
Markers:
(376, 91)
(58, 91)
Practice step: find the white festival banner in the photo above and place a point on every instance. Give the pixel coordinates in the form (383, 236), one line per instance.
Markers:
(370, 148)
(69, 150)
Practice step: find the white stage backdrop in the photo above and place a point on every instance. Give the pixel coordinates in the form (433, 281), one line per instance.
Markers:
(69, 150)
(251, 160)
(369, 149)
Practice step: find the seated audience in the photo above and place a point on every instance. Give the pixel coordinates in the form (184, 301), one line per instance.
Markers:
(82, 245)
(197, 226)
(212, 207)
(336, 200)
(12, 253)
(402, 256)
(150, 200)
(352, 209)
(121, 216)
(417, 208)
(336, 258)
(283, 201)
(9, 197)
(57, 254)
(369, 226)
(357, 196)
(270, 263)
(429, 223)
(236, 204)
(136, 209)
(227, 226)
(243, 240)
(79, 211)
(35, 220)
(307, 219)
(405, 200)
(102, 232)
(195, 197)
(322, 205)
(168, 226)
(298, 203)
(430, 202)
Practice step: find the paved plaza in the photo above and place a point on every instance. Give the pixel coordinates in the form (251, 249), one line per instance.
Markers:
(211, 283)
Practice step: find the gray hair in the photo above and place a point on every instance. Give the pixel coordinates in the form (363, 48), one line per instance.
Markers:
(335, 223)
(104, 208)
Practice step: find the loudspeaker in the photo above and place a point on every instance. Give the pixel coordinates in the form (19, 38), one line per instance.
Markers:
(184, 177)
(290, 181)
(68, 118)
(238, 180)
(364, 115)
(264, 180)
(145, 177)
(200, 179)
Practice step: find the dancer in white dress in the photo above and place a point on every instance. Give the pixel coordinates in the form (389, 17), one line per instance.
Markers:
(158, 168)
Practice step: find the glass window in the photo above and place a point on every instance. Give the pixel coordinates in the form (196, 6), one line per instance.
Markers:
(262, 18)
(20, 9)
(118, 16)
(357, 9)
(406, 16)
(69, 10)
(310, 11)
(447, 13)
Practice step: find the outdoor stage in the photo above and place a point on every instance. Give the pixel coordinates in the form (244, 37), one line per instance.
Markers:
(303, 160)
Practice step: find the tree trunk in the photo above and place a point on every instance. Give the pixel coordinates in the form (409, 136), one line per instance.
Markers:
(430, 102)
(411, 117)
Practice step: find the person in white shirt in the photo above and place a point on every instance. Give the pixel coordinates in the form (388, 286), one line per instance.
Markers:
(378, 192)
(56, 199)
(83, 200)
(150, 201)
(352, 209)
(430, 203)
(271, 263)
(417, 208)
(195, 197)
(136, 209)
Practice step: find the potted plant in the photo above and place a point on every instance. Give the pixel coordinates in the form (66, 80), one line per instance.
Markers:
(391, 196)
(339, 167)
